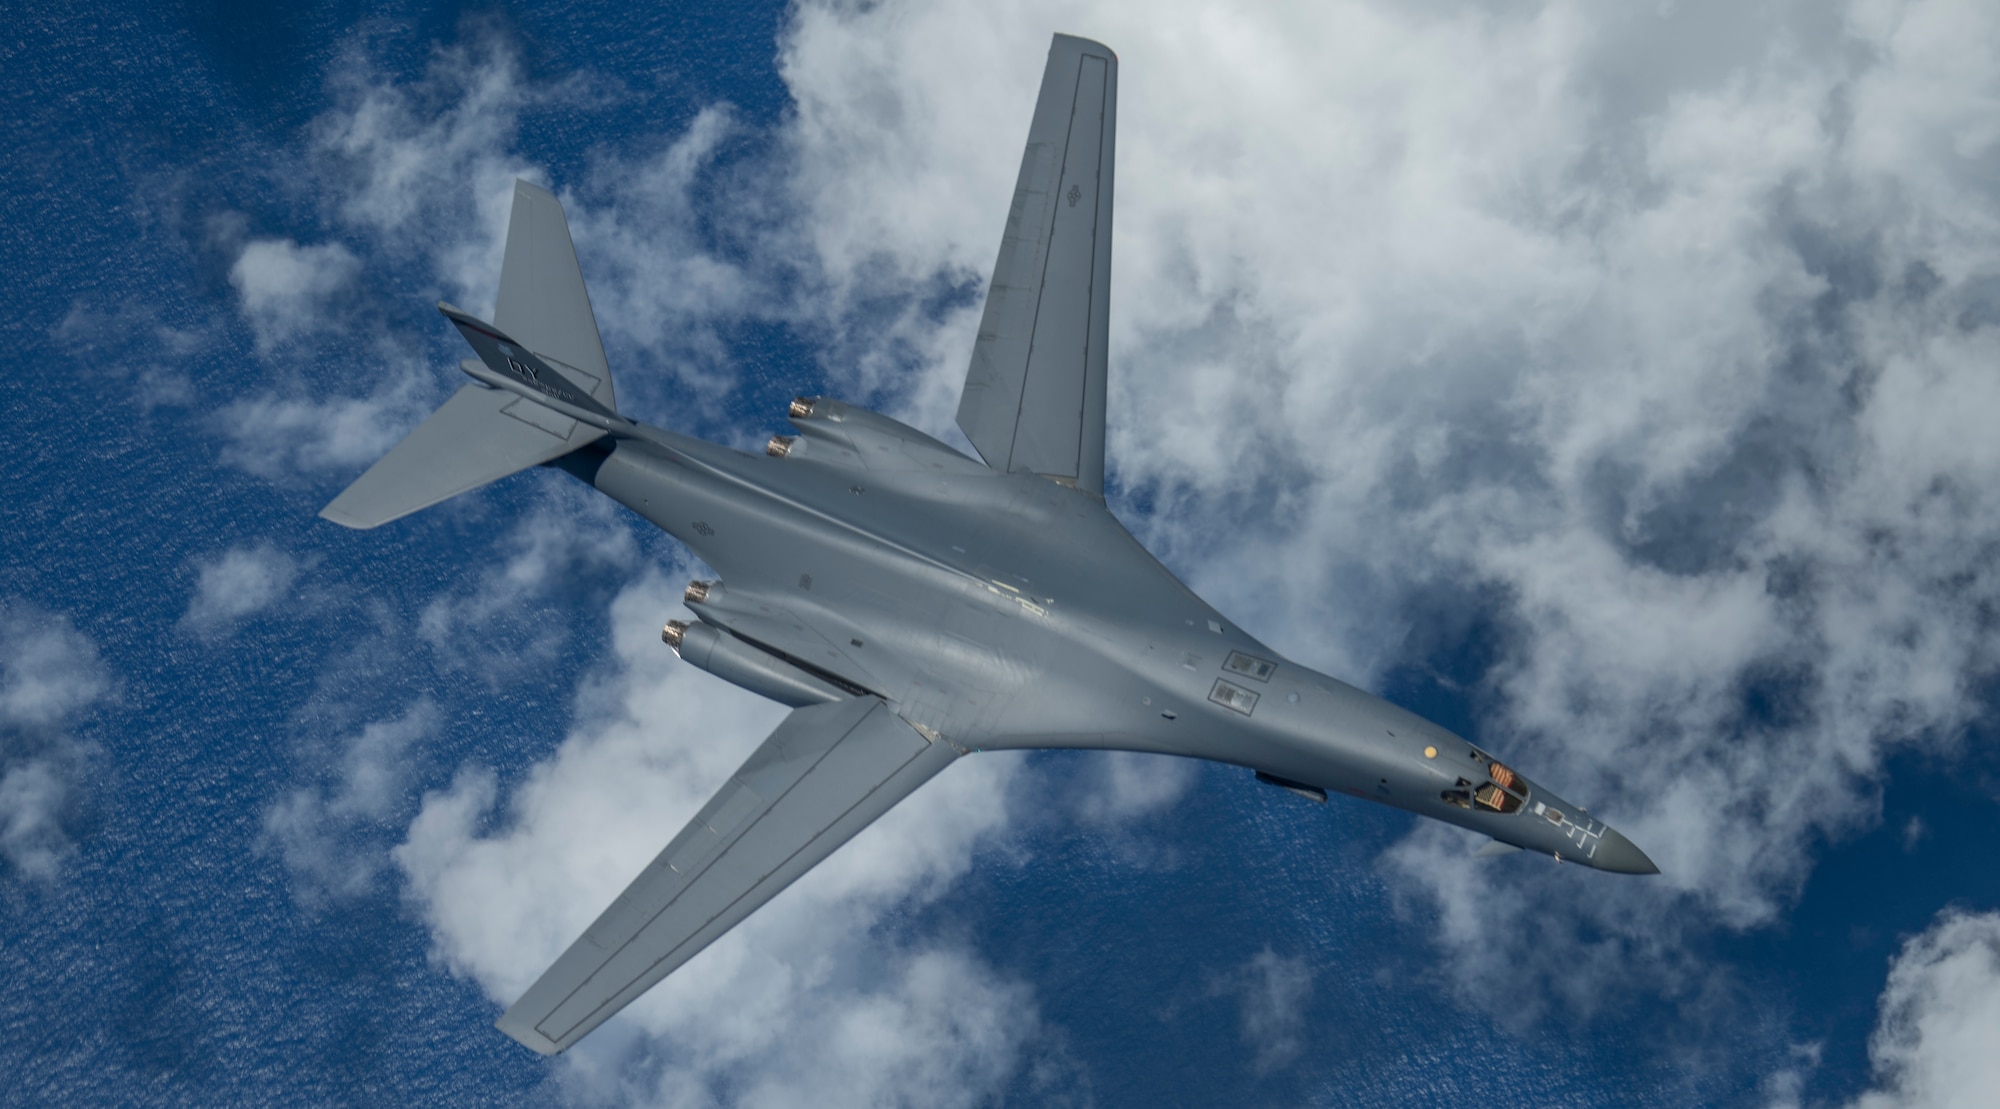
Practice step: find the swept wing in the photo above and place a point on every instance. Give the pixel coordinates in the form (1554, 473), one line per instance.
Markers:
(1034, 395)
(826, 773)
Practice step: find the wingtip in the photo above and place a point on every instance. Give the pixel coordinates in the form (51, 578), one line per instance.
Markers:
(335, 515)
(1090, 46)
(527, 1037)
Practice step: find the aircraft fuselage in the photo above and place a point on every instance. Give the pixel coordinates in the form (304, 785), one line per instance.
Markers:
(997, 609)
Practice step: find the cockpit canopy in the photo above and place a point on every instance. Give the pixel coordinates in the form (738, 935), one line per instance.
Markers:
(1502, 792)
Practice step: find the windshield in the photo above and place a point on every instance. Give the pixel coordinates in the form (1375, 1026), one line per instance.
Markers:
(1504, 794)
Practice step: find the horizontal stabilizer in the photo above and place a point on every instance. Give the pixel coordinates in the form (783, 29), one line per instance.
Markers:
(480, 435)
(825, 774)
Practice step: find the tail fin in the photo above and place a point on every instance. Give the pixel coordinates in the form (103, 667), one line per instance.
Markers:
(483, 434)
(542, 303)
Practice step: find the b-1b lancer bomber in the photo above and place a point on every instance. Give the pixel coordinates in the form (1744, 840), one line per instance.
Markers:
(910, 603)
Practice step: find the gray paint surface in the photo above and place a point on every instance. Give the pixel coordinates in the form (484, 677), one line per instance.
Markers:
(1034, 395)
(917, 604)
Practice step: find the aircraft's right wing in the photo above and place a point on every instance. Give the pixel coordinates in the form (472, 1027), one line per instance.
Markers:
(825, 774)
(1034, 396)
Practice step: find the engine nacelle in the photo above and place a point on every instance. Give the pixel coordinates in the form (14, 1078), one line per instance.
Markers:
(750, 666)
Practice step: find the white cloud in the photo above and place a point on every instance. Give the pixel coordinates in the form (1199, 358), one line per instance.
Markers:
(283, 289)
(572, 543)
(428, 167)
(323, 832)
(276, 434)
(49, 672)
(817, 1000)
(1119, 786)
(130, 342)
(242, 581)
(1672, 360)
(1935, 1033)
(33, 793)
(50, 676)
(1272, 991)
(421, 174)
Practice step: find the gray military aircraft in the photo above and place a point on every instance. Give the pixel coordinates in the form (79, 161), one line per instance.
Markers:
(910, 603)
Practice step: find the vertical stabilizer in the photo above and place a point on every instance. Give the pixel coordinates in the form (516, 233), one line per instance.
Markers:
(542, 302)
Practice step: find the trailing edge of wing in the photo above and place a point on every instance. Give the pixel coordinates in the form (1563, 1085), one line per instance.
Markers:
(826, 773)
(1034, 395)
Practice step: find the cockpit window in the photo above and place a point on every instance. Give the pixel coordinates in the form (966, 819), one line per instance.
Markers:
(1504, 794)
(1490, 796)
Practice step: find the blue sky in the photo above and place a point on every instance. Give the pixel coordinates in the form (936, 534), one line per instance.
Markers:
(1614, 387)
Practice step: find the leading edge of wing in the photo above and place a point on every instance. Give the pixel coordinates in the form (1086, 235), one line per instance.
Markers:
(827, 772)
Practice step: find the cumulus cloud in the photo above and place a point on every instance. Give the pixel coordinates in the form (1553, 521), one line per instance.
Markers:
(323, 832)
(413, 174)
(821, 1004)
(131, 342)
(1934, 1033)
(50, 676)
(1271, 991)
(571, 547)
(283, 289)
(276, 435)
(419, 174)
(1664, 361)
(240, 582)
(1119, 786)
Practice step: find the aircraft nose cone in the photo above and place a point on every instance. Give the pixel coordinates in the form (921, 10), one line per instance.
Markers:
(1621, 856)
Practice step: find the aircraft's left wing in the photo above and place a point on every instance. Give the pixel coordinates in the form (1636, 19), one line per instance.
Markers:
(825, 774)
(1034, 394)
